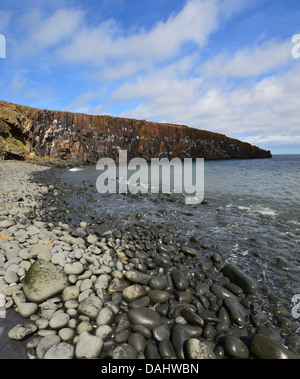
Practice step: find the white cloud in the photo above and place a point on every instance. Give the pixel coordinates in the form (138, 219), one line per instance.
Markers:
(5, 18)
(251, 92)
(41, 33)
(249, 62)
(268, 107)
(120, 54)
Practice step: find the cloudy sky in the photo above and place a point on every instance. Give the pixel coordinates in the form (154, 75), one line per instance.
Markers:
(227, 66)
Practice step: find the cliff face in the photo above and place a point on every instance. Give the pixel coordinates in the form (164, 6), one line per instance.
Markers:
(28, 133)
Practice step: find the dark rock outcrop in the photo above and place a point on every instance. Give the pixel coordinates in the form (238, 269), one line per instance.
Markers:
(28, 133)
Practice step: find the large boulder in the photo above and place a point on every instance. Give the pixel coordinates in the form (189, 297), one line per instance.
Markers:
(43, 281)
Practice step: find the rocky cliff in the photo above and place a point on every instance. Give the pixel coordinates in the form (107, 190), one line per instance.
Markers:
(28, 133)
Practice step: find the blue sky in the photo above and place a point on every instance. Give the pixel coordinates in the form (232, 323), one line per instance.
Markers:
(219, 65)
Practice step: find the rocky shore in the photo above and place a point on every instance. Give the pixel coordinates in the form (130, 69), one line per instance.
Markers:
(103, 290)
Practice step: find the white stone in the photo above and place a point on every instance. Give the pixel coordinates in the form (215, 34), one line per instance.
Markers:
(66, 334)
(27, 309)
(61, 351)
(6, 223)
(45, 344)
(90, 307)
(57, 258)
(88, 346)
(70, 293)
(75, 268)
(58, 321)
(20, 332)
(11, 277)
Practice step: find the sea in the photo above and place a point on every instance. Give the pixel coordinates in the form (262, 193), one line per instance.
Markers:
(251, 215)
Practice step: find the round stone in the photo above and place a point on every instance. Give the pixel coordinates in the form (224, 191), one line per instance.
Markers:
(158, 283)
(43, 281)
(70, 293)
(61, 351)
(138, 341)
(20, 332)
(124, 351)
(90, 307)
(196, 349)
(59, 321)
(45, 344)
(264, 348)
(180, 280)
(157, 296)
(88, 346)
(66, 334)
(74, 268)
(144, 316)
(11, 277)
(105, 317)
(27, 309)
(161, 332)
(235, 348)
(133, 292)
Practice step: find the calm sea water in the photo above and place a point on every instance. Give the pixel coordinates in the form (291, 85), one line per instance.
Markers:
(252, 214)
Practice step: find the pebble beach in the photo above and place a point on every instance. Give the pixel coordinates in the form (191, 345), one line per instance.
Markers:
(130, 290)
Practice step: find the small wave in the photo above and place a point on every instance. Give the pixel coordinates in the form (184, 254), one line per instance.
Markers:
(75, 169)
(255, 209)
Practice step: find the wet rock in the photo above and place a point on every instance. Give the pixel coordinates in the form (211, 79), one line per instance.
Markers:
(236, 311)
(157, 296)
(241, 279)
(179, 338)
(235, 348)
(138, 341)
(162, 261)
(137, 277)
(144, 316)
(161, 332)
(192, 317)
(189, 251)
(180, 280)
(264, 348)
(166, 349)
(158, 282)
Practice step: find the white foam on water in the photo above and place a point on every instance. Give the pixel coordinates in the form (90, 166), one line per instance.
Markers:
(265, 211)
(75, 169)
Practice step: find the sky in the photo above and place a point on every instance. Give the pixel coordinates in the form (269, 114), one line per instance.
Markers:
(227, 66)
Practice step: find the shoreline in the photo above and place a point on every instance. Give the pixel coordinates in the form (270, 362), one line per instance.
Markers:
(157, 296)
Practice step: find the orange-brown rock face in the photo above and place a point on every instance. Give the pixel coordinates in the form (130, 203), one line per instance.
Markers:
(79, 138)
